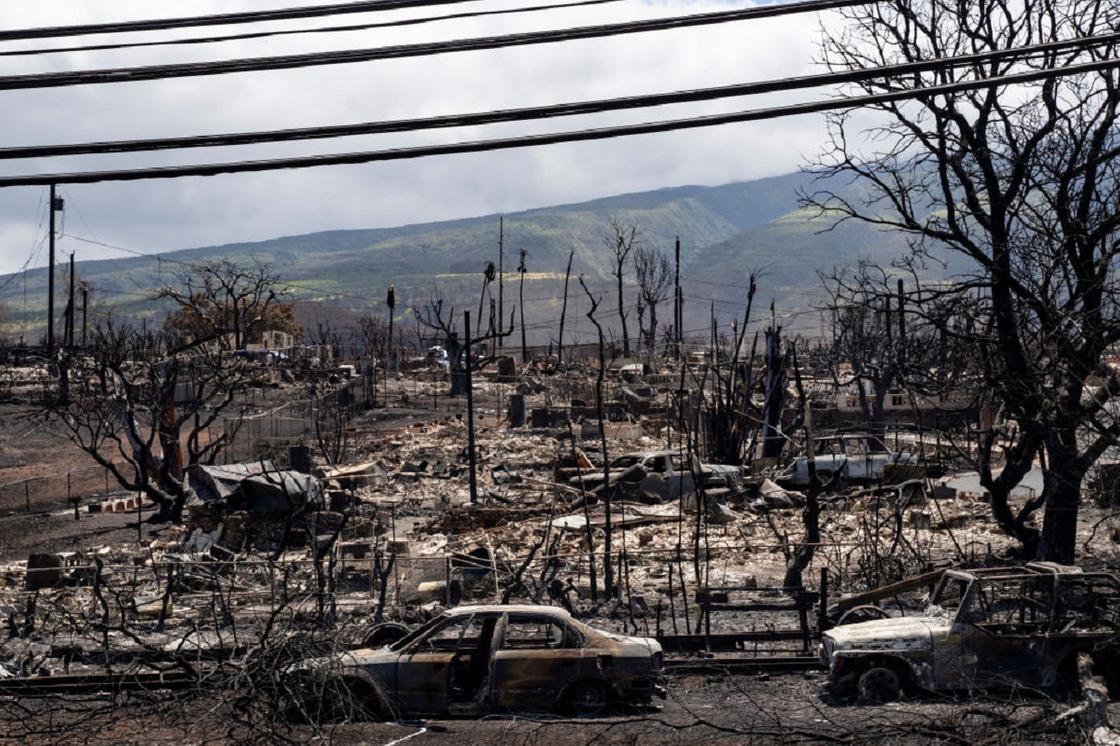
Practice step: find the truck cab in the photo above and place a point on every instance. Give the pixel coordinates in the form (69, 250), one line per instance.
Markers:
(1012, 626)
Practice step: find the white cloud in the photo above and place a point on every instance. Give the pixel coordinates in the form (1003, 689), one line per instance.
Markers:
(161, 215)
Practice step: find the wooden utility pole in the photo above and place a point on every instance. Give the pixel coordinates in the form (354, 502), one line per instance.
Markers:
(391, 301)
(471, 455)
(69, 341)
(564, 309)
(85, 306)
(501, 274)
(677, 298)
(901, 322)
(55, 204)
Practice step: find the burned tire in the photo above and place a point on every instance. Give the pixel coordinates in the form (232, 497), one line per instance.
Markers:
(586, 699)
(385, 633)
(865, 613)
(315, 701)
(879, 685)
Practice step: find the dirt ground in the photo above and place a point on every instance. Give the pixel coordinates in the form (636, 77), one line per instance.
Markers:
(708, 709)
(715, 708)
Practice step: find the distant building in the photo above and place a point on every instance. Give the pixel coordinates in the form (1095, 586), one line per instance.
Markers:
(273, 339)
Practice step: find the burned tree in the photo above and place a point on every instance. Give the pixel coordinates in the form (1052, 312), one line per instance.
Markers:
(655, 279)
(374, 334)
(326, 337)
(433, 316)
(564, 311)
(489, 273)
(226, 298)
(1017, 187)
(148, 405)
(727, 423)
(522, 271)
(608, 576)
(622, 241)
(866, 351)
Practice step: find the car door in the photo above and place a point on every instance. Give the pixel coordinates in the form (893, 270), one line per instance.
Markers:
(537, 658)
(1004, 637)
(657, 468)
(424, 669)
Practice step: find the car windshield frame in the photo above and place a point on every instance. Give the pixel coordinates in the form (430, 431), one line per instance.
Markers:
(415, 634)
(573, 638)
(938, 592)
(626, 461)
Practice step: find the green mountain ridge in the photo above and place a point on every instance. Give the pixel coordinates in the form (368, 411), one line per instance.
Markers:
(725, 231)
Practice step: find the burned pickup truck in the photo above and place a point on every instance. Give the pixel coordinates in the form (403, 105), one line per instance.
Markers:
(847, 458)
(476, 659)
(664, 475)
(987, 628)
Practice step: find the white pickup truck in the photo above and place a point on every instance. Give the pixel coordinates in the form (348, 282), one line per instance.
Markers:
(847, 455)
(663, 474)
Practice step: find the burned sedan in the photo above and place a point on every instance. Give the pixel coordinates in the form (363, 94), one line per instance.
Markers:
(994, 627)
(475, 659)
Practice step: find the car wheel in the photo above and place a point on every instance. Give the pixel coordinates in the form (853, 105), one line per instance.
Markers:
(307, 700)
(587, 698)
(384, 634)
(859, 614)
(879, 685)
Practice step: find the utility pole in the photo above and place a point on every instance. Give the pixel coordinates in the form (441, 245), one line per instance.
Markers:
(521, 300)
(55, 206)
(677, 298)
(391, 302)
(901, 322)
(564, 310)
(85, 305)
(70, 308)
(471, 456)
(501, 273)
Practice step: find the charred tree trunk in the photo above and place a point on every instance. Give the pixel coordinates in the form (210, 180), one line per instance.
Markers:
(564, 310)
(608, 488)
(622, 315)
(1061, 495)
(773, 442)
(802, 556)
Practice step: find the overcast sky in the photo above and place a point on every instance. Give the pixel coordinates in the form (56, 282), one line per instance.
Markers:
(172, 214)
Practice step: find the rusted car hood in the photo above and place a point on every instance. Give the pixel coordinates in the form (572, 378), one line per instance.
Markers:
(884, 633)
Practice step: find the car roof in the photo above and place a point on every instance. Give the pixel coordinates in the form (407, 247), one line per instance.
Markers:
(1017, 571)
(509, 608)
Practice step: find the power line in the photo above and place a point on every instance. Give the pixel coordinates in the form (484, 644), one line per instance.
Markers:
(525, 141)
(341, 57)
(300, 31)
(222, 19)
(197, 265)
(1018, 54)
